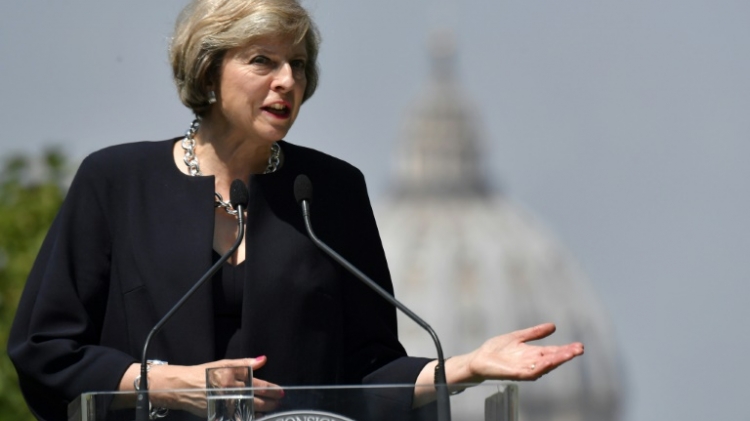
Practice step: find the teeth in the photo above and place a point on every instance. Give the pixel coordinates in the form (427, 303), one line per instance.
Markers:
(278, 107)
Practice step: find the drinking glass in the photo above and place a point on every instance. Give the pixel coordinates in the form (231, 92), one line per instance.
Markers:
(227, 400)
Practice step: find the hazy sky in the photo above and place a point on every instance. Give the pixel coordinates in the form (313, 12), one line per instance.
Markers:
(623, 125)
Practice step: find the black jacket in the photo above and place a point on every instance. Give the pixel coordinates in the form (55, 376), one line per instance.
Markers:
(135, 233)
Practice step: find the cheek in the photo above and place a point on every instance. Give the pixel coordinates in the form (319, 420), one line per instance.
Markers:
(298, 106)
(245, 89)
(300, 92)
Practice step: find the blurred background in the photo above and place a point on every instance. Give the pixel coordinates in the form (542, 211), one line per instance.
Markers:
(622, 127)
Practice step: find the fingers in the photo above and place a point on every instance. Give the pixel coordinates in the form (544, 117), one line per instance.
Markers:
(267, 395)
(267, 389)
(537, 370)
(263, 404)
(549, 358)
(573, 350)
(563, 352)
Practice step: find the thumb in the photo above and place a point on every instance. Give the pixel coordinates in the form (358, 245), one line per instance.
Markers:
(536, 332)
(257, 362)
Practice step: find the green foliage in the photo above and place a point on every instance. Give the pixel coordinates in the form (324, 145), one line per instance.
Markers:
(31, 192)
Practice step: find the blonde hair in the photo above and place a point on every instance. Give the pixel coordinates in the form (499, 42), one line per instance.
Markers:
(206, 29)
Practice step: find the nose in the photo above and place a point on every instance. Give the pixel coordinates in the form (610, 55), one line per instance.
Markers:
(284, 79)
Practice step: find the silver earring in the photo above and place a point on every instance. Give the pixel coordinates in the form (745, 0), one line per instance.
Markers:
(211, 97)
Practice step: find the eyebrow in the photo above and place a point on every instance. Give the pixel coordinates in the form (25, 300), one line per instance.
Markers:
(256, 49)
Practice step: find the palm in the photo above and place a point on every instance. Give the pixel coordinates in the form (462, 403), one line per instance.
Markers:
(510, 357)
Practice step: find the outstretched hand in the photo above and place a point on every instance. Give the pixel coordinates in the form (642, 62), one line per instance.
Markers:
(510, 357)
(504, 357)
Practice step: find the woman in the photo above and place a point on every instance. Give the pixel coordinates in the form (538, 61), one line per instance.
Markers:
(140, 225)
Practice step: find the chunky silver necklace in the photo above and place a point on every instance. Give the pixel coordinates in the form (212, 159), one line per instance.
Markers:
(188, 144)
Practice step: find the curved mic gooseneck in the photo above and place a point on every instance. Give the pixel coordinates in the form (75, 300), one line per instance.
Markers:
(303, 194)
(239, 198)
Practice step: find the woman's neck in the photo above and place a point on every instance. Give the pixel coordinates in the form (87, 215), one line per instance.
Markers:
(227, 155)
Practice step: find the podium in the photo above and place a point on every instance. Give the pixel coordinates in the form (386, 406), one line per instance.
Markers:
(489, 401)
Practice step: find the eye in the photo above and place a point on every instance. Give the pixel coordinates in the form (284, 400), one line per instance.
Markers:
(298, 64)
(260, 60)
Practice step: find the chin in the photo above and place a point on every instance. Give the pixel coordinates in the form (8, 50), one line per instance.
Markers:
(274, 135)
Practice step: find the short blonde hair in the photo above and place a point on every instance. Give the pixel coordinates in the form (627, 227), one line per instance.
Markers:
(206, 29)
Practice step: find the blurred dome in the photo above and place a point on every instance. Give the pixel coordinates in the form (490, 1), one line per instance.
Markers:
(474, 265)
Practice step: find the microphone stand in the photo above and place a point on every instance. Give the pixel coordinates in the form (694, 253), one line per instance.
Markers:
(142, 402)
(441, 387)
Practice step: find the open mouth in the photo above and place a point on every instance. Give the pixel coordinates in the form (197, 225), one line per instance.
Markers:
(279, 110)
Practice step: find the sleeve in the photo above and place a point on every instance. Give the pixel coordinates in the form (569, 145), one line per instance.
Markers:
(54, 339)
(373, 352)
(370, 334)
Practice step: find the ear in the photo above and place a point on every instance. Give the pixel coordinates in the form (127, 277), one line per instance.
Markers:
(212, 89)
(213, 73)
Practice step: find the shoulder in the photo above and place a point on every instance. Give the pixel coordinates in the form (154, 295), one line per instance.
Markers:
(309, 157)
(321, 167)
(128, 157)
(109, 173)
(340, 196)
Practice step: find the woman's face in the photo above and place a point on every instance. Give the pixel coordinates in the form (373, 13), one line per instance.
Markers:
(261, 88)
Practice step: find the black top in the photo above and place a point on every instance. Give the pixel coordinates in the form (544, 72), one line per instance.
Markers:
(135, 233)
(227, 289)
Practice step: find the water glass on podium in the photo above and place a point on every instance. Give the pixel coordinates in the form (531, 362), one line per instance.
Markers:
(228, 394)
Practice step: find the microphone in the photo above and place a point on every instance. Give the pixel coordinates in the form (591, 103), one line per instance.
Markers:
(238, 194)
(303, 192)
(238, 197)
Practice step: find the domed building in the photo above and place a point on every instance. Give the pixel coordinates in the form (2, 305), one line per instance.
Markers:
(474, 265)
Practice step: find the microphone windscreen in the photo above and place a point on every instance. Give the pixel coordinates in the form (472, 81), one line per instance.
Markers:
(303, 188)
(238, 194)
